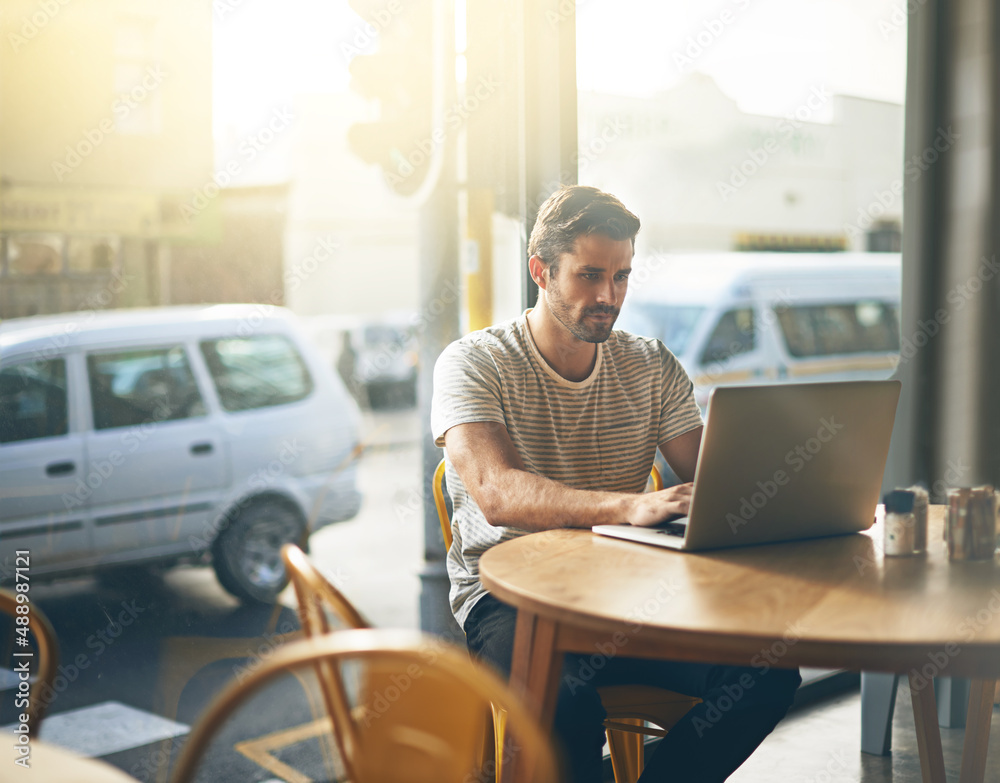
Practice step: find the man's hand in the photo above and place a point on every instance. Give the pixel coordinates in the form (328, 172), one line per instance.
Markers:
(653, 508)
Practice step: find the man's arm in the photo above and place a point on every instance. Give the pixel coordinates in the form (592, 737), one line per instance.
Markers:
(681, 453)
(493, 473)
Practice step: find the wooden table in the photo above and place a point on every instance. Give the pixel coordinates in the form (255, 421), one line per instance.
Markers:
(830, 603)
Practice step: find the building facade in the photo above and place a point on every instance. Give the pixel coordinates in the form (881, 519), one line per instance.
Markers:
(105, 150)
(703, 174)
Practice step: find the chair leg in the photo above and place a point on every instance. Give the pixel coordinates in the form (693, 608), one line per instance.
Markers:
(499, 735)
(626, 752)
(488, 754)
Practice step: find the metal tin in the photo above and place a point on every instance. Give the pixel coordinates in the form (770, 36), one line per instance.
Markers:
(958, 523)
(921, 500)
(984, 523)
(972, 523)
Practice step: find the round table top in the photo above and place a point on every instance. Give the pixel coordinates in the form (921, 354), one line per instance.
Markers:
(824, 602)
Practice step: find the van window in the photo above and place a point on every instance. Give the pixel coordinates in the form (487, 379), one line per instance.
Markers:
(142, 387)
(733, 335)
(670, 324)
(256, 372)
(844, 328)
(33, 401)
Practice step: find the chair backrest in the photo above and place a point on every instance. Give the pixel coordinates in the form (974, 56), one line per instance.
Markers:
(48, 650)
(437, 487)
(418, 718)
(316, 597)
(316, 594)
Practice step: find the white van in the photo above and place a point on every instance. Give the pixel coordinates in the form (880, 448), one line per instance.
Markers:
(165, 435)
(769, 317)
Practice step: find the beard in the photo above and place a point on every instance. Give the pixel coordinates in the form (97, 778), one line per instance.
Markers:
(577, 323)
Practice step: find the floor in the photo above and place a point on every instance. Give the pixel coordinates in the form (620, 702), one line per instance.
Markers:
(820, 743)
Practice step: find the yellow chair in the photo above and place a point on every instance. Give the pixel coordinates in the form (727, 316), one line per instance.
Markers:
(416, 719)
(48, 653)
(629, 707)
(316, 597)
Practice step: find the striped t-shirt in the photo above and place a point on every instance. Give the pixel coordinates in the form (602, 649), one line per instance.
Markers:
(600, 433)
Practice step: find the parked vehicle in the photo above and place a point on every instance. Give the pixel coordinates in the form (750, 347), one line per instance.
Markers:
(766, 317)
(375, 355)
(746, 318)
(166, 435)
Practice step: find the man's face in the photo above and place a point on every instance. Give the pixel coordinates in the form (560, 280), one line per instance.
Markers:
(587, 290)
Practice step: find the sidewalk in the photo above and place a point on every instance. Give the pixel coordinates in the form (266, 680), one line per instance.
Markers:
(390, 428)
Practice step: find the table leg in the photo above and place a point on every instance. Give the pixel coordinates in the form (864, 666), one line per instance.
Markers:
(536, 665)
(928, 734)
(977, 731)
(534, 675)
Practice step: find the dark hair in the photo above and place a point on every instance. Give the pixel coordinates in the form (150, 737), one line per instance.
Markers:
(574, 211)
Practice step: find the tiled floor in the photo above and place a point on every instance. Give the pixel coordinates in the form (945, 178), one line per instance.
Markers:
(820, 743)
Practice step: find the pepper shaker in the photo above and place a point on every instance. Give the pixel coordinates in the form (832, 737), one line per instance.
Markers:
(900, 525)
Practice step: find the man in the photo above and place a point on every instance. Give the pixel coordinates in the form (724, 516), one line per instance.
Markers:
(552, 420)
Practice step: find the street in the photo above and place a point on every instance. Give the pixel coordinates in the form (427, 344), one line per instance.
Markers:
(141, 658)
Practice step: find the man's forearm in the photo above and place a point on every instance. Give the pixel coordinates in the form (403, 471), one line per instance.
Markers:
(517, 498)
(510, 496)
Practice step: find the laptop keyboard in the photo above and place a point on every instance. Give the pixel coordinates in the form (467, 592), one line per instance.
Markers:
(673, 529)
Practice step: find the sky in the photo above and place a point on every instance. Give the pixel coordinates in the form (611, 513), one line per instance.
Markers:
(765, 54)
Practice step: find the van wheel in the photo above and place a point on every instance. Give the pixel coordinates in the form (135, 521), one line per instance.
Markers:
(247, 554)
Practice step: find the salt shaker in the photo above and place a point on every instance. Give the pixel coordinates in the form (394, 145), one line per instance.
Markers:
(900, 525)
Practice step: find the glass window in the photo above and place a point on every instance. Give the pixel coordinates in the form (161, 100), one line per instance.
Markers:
(33, 401)
(34, 254)
(733, 335)
(142, 387)
(886, 236)
(256, 372)
(826, 330)
(670, 324)
(92, 254)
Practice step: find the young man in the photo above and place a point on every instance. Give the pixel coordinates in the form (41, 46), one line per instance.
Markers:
(553, 420)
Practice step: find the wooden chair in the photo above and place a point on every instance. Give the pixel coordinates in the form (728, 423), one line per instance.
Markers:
(417, 718)
(48, 653)
(317, 598)
(629, 707)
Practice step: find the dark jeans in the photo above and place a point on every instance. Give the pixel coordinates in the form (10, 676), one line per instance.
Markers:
(741, 705)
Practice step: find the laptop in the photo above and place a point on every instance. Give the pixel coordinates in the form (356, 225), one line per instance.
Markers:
(781, 463)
